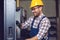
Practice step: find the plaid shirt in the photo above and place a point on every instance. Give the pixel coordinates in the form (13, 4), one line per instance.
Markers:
(43, 27)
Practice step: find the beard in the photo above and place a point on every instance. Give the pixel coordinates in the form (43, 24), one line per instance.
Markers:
(36, 15)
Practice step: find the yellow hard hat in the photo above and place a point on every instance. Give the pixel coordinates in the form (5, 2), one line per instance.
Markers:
(36, 2)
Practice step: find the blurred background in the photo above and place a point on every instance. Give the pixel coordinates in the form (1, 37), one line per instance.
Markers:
(51, 9)
(14, 12)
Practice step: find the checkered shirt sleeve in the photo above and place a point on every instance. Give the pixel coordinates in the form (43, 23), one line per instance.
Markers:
(27, 23)
(43, 28)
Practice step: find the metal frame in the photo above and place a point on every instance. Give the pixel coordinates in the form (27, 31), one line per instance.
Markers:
(9, 20)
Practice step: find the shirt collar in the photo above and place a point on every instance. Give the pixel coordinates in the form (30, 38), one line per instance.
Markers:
(40, 16)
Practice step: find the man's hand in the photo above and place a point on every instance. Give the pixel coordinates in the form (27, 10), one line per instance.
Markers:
(29, 39)
(22, 25)
(17, 23)
(33, 38)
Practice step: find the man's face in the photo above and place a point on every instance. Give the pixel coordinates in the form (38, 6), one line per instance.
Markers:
(36, 10)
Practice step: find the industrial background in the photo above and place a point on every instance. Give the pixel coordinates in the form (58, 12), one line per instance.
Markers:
(51, 9)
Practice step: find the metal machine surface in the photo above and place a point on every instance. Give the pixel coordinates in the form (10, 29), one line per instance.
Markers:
(9, 20)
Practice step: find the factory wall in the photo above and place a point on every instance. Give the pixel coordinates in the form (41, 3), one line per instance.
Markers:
(49, 8)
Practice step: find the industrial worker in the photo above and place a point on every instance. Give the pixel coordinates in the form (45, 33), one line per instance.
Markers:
(39, 23)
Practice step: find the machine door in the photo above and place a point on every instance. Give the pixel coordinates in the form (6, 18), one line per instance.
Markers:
(9, 20)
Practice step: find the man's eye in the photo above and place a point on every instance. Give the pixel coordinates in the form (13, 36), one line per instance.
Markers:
(33, 9)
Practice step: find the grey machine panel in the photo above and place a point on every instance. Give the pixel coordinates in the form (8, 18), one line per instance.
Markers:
(9, 20)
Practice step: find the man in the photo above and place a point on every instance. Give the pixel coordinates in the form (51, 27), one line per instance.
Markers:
(38, 23)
